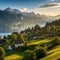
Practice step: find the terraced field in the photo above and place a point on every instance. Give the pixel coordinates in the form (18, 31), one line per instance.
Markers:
(54, 54)
(18, 56)
(13, 57)
(38, 42)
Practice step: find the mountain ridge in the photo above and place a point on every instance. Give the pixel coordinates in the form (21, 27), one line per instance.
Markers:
(10, 17)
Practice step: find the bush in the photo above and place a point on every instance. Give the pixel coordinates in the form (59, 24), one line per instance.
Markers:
(31, 47)
(22, 48)
(2, 53)
(40, 52)
(54, 43)
(28, 55)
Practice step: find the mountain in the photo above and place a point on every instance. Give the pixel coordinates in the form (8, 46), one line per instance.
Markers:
(12, 19)
(12, 11)
(8, 20)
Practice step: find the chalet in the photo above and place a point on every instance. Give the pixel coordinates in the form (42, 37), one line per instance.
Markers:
(17, 43)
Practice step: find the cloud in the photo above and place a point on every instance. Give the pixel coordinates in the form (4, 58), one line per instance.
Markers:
(48, 10)
(23, 9)
(52, 0)
(50, 5)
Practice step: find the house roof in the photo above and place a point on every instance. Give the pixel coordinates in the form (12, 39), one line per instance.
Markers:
(2, 41)
(18, 41)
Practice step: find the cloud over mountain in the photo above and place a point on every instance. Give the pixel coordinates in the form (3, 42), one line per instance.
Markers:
(49, 5)
(23, 9)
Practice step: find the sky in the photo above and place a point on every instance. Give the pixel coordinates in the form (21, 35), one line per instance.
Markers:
(47, 7)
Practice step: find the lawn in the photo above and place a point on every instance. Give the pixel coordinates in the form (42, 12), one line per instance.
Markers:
(17, 55)
(39, 41)
(54, 54)
(10, 52)
(13, 57)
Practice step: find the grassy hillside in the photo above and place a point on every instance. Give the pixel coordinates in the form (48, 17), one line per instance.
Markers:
(39, 41)
(54, 54)
(13, 57)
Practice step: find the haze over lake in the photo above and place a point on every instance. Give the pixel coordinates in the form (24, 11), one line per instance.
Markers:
(4, 34)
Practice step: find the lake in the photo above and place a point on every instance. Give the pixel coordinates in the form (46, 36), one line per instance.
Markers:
(4, 34)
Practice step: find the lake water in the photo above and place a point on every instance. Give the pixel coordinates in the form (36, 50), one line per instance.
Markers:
(4, 34)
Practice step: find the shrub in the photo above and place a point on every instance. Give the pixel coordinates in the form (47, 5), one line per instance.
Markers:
(40, 52)
(22, 48)
(54, 42)
(2, 53)
(28, 55)
(31, 47)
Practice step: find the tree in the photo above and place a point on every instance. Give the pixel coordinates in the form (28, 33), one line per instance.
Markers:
(7, 43)
(24, 40)
(40, 52)
(37, 27)
(0, 38)
(2, 53)
(55, 41)
(14, 36)
(4, 37)
(28, 55)
(19, 36)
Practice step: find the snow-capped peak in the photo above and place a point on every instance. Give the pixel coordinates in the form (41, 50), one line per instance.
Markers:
(12, 10)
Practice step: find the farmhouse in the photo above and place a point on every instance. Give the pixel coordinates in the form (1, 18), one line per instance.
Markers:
(17, 43)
